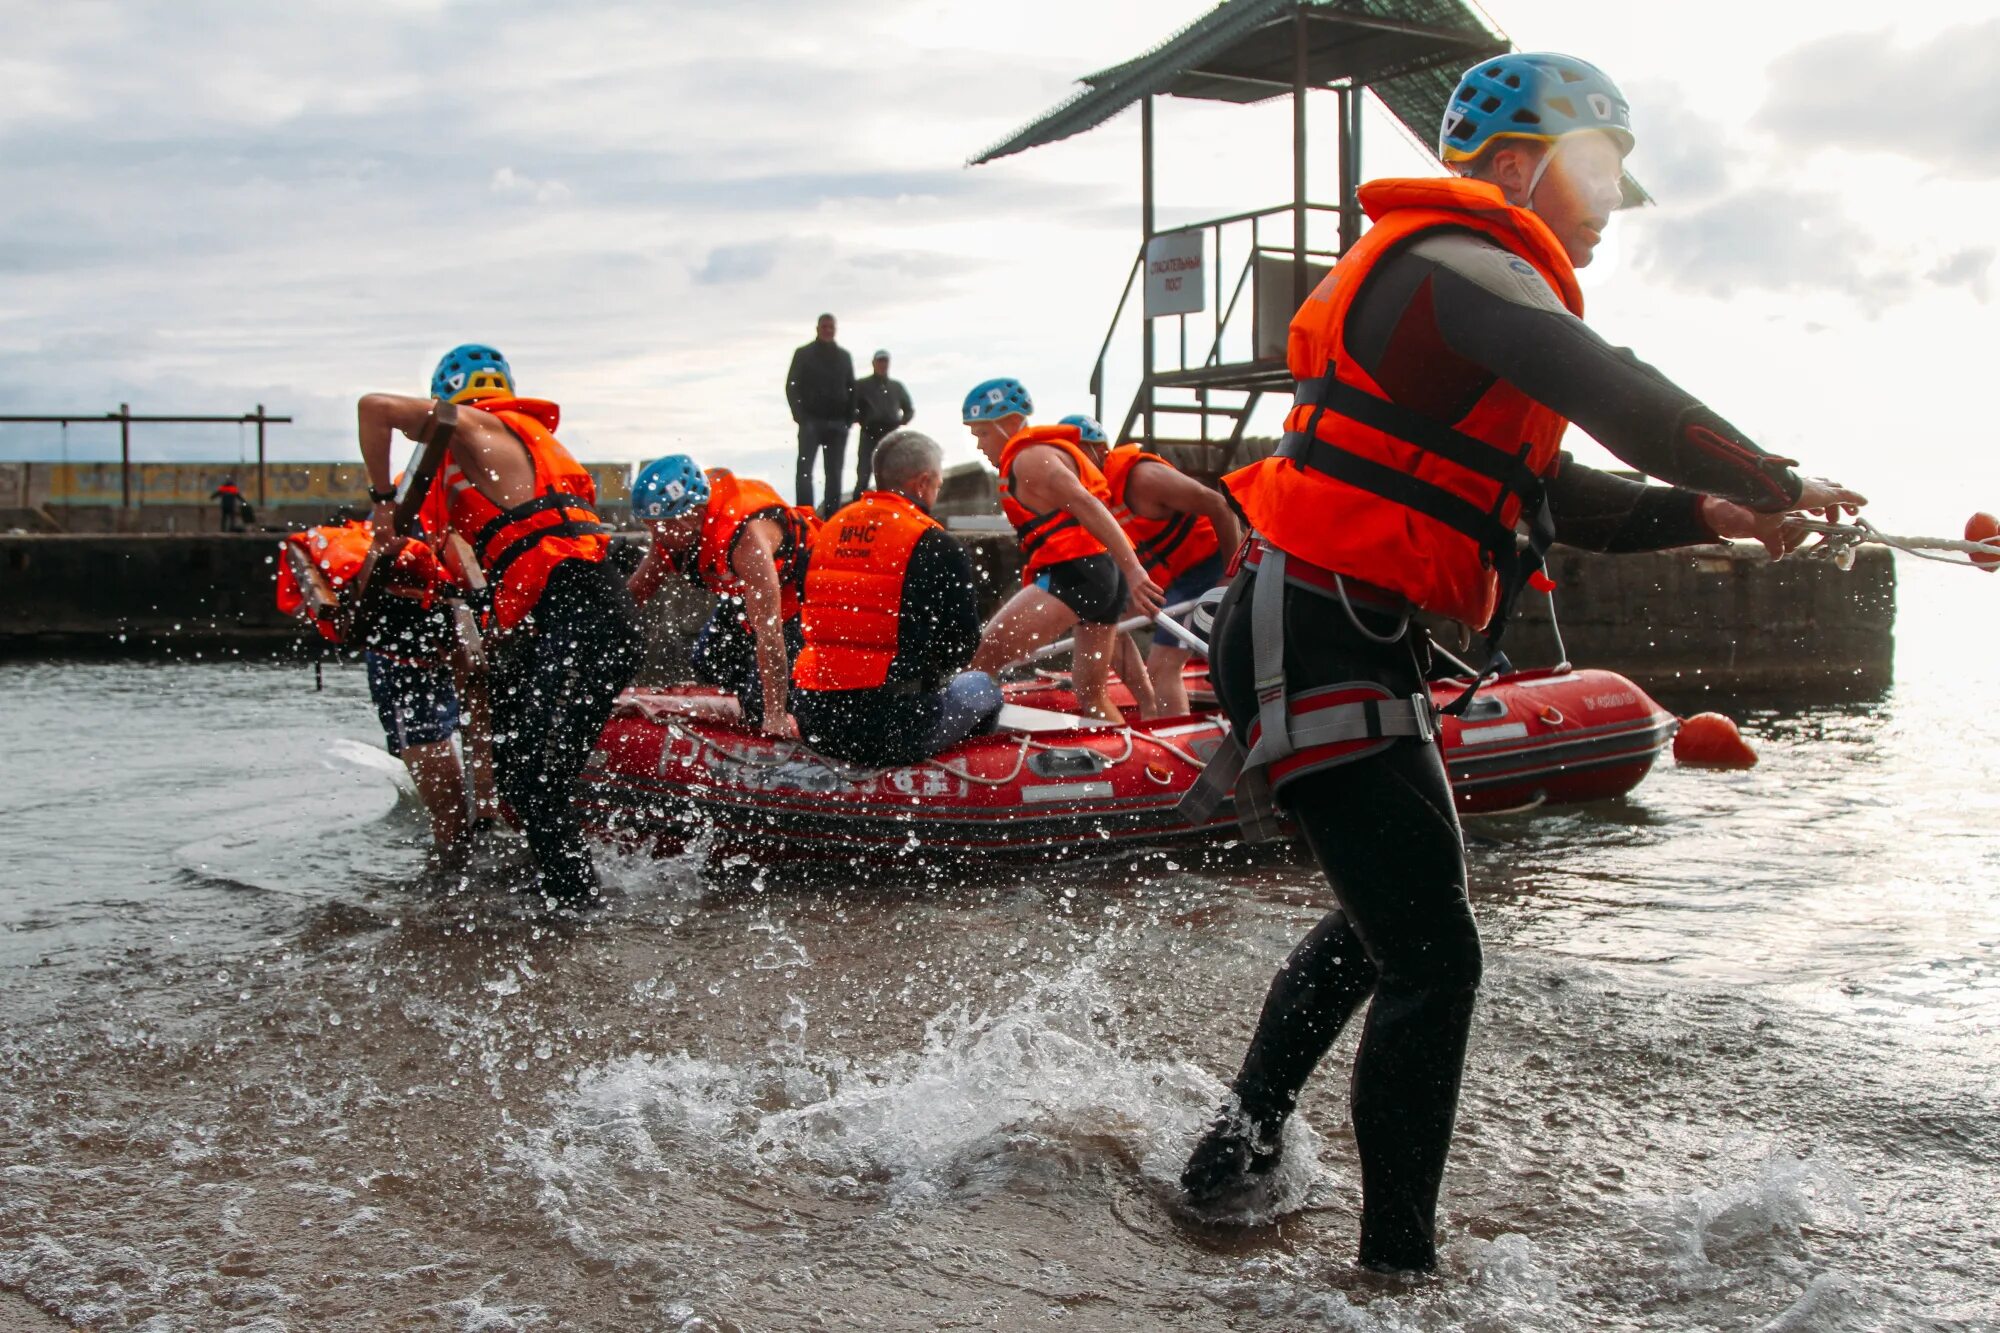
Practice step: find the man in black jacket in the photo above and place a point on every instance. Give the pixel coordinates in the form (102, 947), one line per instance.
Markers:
(820, 389)
(883, 405)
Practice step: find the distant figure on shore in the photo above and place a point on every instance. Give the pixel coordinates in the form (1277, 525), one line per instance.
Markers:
(230, 501)
(881, 405)
(820, 389)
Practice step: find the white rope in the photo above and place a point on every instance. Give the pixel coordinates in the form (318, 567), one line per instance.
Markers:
(1838, 540)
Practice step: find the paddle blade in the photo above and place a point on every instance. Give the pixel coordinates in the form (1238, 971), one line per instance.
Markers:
(1711, 740)
(1984, 529)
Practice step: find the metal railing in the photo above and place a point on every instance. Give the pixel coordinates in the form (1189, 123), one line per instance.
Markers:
(124, 417)
(1219, 336)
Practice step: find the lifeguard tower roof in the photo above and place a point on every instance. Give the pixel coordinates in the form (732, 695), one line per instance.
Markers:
(1221, 353)
(1409, 53)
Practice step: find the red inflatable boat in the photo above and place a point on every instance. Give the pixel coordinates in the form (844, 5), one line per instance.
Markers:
(675, 768)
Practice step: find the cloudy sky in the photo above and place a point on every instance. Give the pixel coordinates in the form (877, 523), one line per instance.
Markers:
(209, 205)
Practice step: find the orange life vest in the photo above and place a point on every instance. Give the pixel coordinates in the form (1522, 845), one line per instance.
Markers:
(732, 502)
(1167, 547)
(1367, 488)
(519, 547)
(1056, 535)
(338, 551)
(854, 592)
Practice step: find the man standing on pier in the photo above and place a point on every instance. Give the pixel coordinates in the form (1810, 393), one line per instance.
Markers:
(230, 501)
(820, 389)
(883, 405)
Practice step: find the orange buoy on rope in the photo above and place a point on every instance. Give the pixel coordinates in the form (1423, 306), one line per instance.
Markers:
(1712, 740)
(1984, 529)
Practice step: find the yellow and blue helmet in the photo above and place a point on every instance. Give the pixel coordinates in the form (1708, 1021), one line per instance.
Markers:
(1539, 95)
(470, 372)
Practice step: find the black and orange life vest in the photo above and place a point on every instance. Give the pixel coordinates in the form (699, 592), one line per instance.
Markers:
(1167, 547)
(854, 592)
(519, 547)
(1055, 535)
(1364, 487)
(337, 551)
(733, 502)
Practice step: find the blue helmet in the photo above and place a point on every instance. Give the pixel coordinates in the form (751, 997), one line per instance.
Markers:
(668, 488)
(993, 399)
(1086, 427)
(1536, 95)
(470, 372)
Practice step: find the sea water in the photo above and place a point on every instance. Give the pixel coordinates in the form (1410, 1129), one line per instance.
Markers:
(1733, 1064)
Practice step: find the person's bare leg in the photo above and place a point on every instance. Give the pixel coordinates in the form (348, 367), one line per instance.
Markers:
(1030, 619)
(1090, 671)
(475, 734)
(441, 786)
(1164, 665)
(1132, 669)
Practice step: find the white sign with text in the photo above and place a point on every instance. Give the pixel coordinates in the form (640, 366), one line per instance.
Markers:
(1174, 269)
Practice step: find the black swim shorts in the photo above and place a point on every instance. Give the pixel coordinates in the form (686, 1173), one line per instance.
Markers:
(1090, 585)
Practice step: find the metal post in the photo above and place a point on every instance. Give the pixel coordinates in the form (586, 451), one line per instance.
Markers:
(125, 455)
(1300, 43)
(262, 498)
(1350, 166)
(1146, 227)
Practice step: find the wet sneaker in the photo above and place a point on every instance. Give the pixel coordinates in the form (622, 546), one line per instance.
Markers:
(1234, 1155)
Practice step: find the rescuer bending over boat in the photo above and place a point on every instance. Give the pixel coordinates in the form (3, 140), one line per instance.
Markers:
(1438, 365)
(565, 641)
(736, 537)
(1183, 533)
(1081, 569)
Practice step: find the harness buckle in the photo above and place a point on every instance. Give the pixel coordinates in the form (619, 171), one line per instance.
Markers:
(1425, 714)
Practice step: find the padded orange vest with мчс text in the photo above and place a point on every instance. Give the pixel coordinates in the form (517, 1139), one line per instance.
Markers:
(1057, 535)
(854, 592)
(519, 547)
(1167, 547)
(1353, 530)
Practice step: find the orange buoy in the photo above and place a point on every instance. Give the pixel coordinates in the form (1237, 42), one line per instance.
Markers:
(1984, 529)
(1712, 740)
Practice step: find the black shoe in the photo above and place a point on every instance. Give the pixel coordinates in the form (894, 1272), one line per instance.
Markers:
(1235, 1154)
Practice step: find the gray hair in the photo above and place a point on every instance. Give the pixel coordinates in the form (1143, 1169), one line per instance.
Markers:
(904, 455)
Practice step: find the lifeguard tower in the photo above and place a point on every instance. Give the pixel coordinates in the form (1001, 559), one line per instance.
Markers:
(1206, 359)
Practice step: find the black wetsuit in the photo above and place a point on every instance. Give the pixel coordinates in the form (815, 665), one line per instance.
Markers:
(555, 679)
(1437, 322)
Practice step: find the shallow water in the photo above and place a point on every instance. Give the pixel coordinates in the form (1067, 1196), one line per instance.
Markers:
(1733, 1068)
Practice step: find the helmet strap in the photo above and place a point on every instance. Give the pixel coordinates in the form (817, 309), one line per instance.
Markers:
(1541, 169)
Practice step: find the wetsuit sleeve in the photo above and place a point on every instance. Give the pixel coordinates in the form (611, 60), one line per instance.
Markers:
(1488, 312)
(940, 613)
(1601, 512)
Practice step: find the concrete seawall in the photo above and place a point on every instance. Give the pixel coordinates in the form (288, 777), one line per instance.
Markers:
(1716, 617)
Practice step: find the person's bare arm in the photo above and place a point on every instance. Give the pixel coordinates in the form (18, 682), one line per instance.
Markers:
(650, 576)
(1042, 476)
(482, 446)
(378, 418)
(1158, 492)
(755, 562)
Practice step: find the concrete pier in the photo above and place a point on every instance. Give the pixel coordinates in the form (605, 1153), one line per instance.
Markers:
(1709, 617)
